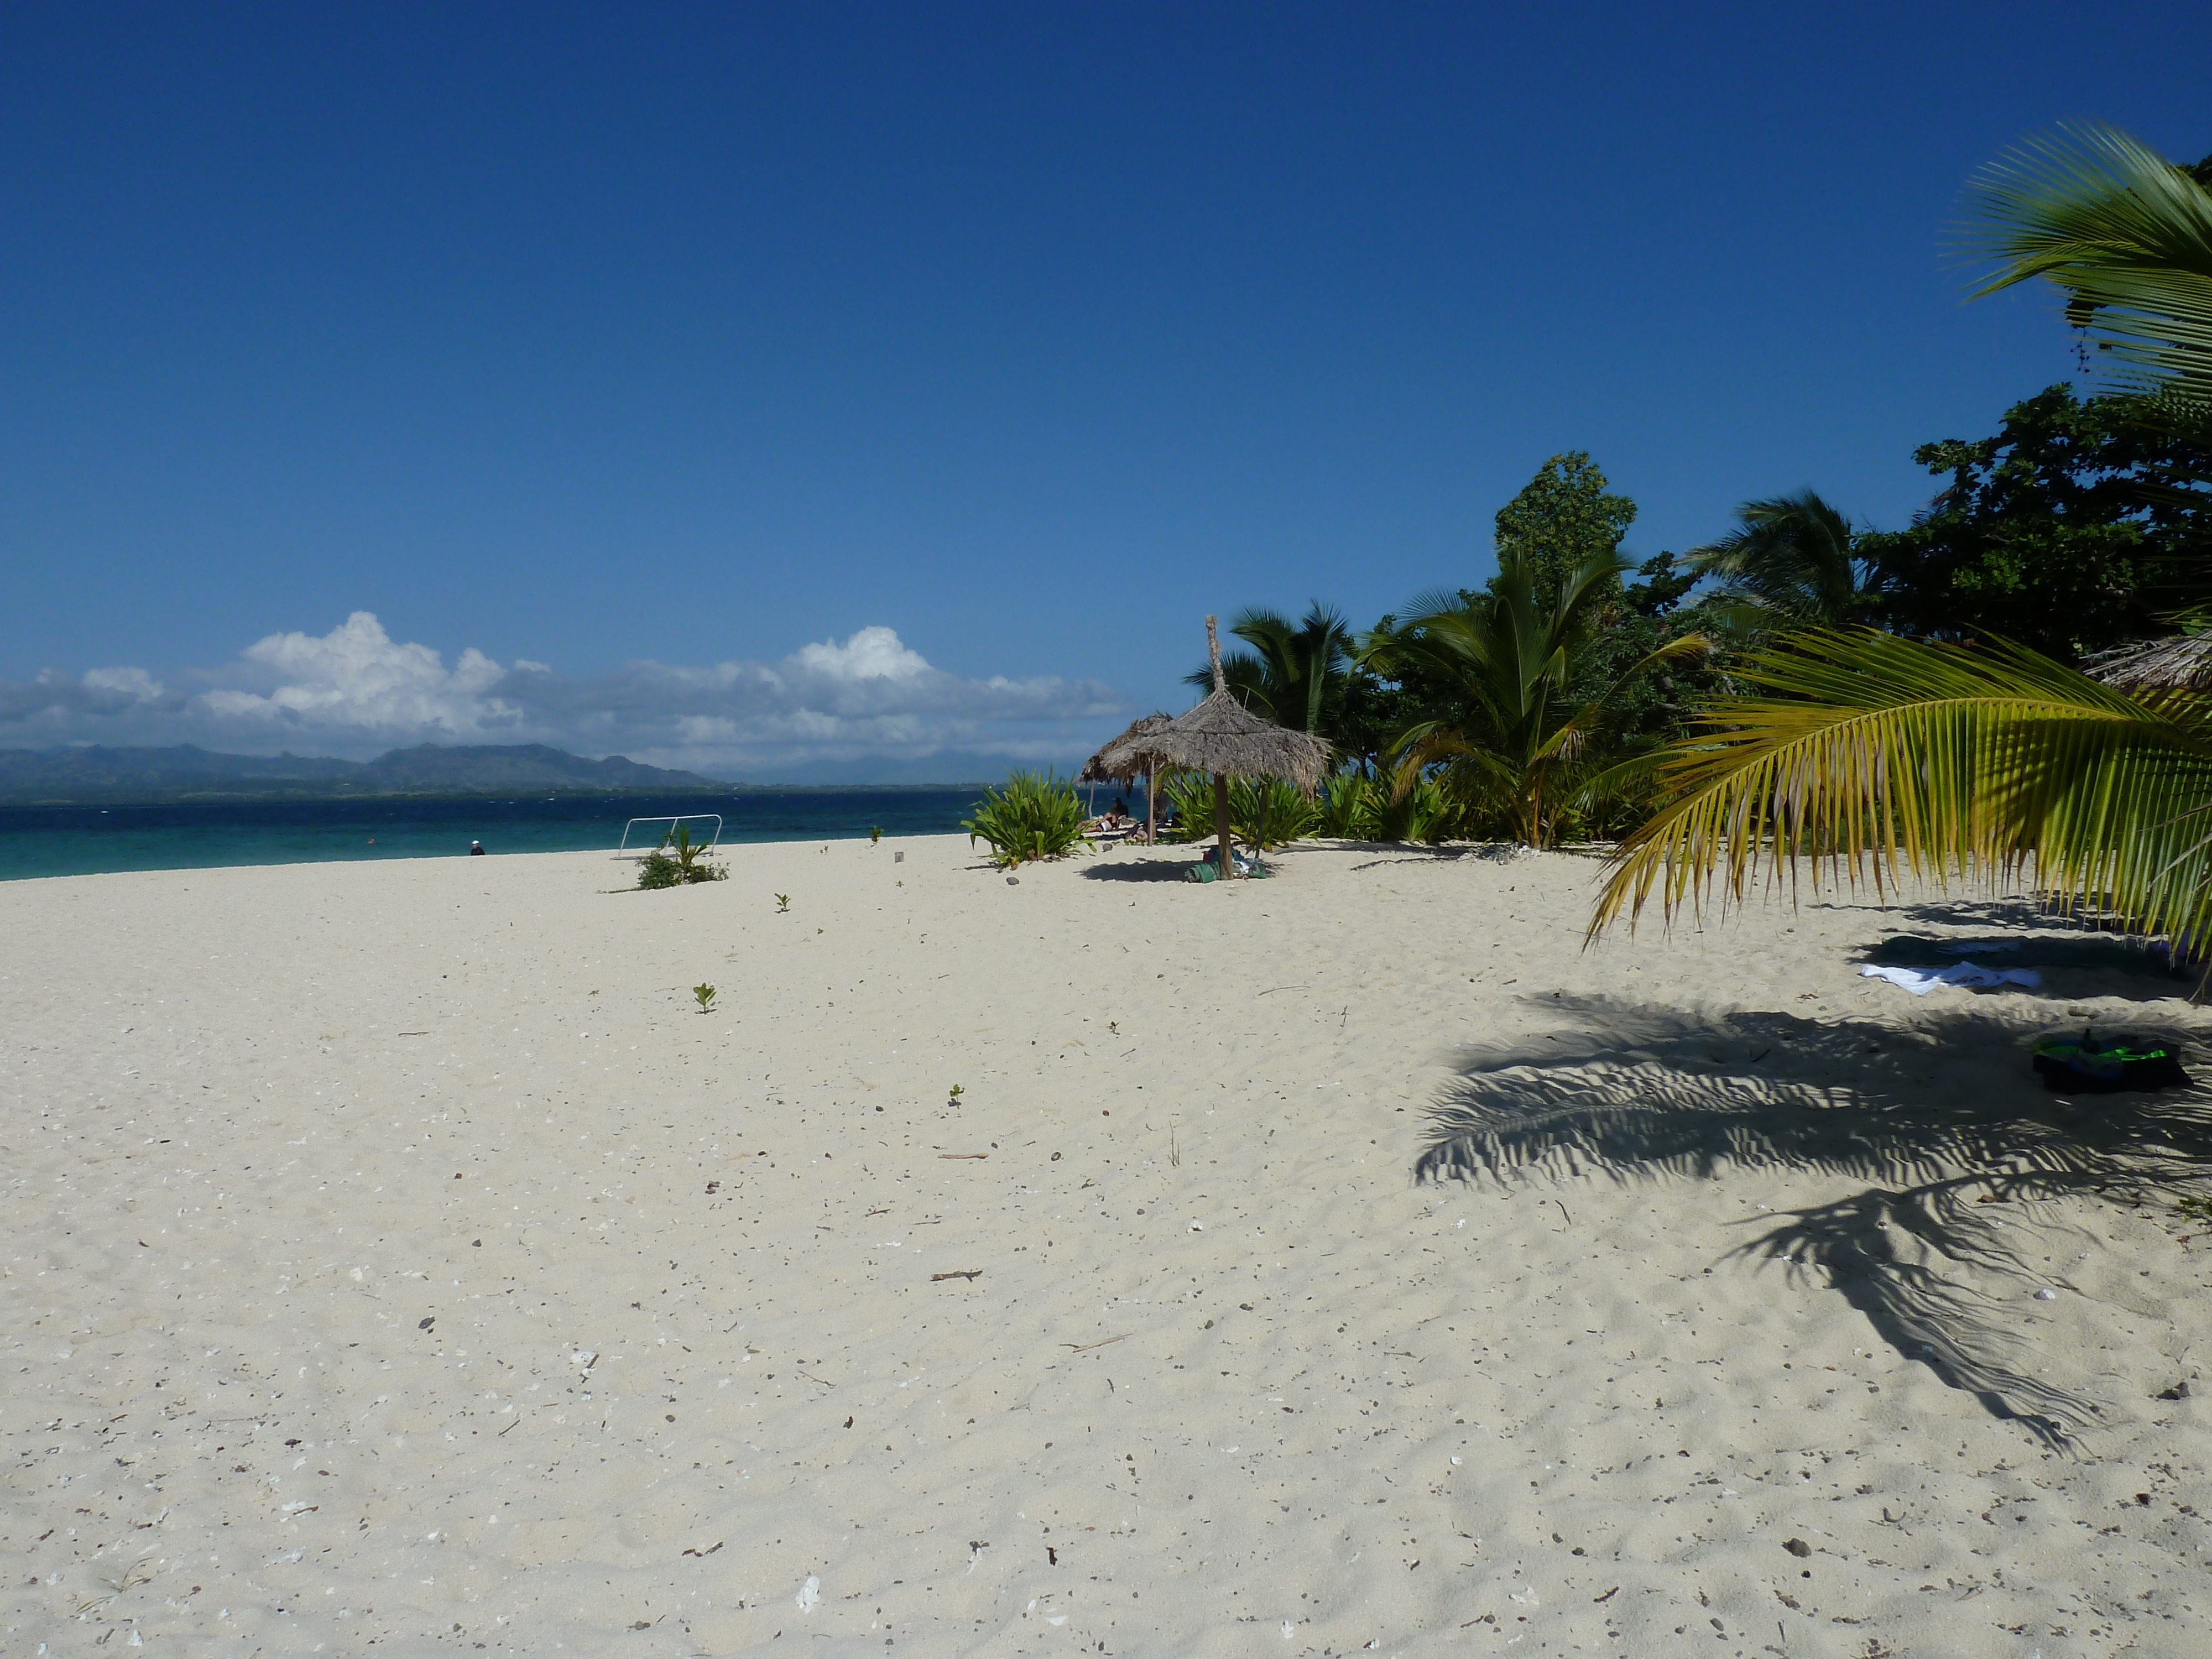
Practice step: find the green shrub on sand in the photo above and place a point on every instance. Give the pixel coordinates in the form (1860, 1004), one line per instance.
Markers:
(1029, 816)
(678, 861)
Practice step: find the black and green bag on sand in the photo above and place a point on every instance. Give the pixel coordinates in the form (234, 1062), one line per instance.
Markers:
(2098, 1066)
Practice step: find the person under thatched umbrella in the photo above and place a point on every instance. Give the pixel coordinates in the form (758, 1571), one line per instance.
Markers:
(2177, 665)
(1124, 759)
(1223, 737)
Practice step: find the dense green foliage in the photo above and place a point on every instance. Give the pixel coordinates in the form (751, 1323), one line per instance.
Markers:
(1356, 807)
(1029, 816)
(2072, 530)
(1263, 812)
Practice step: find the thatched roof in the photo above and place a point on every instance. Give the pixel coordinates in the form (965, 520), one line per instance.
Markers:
(2184, 664)
(1127, 757)
(1222, 735)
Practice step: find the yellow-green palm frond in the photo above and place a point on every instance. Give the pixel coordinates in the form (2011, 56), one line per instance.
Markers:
(2126, 231)
(1870, 754)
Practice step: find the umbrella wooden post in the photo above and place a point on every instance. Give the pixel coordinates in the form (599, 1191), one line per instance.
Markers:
(1220, 780)
(1151, 806)
(1221, 826)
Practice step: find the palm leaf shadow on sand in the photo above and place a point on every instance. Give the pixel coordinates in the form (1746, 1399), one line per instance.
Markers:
(1942, 1118)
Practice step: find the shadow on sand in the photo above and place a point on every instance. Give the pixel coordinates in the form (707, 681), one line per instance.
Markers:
(1943, 1119)
(1168, 864)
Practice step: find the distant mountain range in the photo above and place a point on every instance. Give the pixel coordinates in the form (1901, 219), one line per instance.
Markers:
(33, 777)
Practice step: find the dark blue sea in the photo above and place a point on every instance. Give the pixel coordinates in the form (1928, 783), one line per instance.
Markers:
(78, 840)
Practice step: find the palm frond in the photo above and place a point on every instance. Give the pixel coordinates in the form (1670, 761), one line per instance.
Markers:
(2126, 231)
(1876, 754)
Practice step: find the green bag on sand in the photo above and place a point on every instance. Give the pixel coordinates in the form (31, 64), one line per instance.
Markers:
(2092, 1065)
(1206, 870)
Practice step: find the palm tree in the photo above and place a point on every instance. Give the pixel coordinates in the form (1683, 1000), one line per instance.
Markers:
(1788, 563)
(2125, 232)
(1288, 674)
(1870, 754)
(1519, 748)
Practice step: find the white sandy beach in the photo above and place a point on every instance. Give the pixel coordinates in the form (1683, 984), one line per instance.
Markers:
(399, 1262)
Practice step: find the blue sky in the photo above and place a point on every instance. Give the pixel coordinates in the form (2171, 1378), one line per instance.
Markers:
(977, 350)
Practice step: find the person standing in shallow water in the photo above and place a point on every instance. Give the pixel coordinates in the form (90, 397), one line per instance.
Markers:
(475, 850)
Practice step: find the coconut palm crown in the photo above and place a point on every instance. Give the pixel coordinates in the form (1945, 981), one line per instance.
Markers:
(1520, 750)
(1790, 562)
(1287, 675)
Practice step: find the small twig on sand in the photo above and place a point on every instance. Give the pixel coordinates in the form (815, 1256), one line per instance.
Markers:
(810, 1377)
(1085, 1347)
(943, 1155)
(1563, 1211)
(965, 1272)
(1271, 989)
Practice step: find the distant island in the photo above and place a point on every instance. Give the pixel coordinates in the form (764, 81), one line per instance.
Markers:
(59, 777)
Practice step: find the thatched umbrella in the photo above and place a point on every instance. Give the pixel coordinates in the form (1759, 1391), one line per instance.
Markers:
(2177, 665)
(1223, 737)
(1125, 758)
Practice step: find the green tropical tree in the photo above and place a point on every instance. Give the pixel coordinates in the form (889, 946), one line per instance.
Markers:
(2070, 530)
(1563, 519)
(1868, 756)
(1791, 561)
(1294, 672)
(1519, 747)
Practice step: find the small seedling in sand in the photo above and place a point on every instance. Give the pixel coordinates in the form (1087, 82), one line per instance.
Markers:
(1114, 1026)
(953, 1099)
(875, 835)
(706, 995)
(783, 901)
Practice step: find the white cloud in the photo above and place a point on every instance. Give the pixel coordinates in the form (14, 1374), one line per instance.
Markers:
(356, 678)
(356, 691)
(873, 653)
(134, 684)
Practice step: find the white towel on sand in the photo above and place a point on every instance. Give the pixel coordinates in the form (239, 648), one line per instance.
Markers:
(1921, 981)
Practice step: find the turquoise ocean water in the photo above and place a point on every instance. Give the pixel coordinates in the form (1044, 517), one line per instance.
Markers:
(76, 841)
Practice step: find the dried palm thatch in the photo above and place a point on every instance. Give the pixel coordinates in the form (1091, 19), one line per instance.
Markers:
(2175, 665)
(1223, 737)
(1125, 758)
